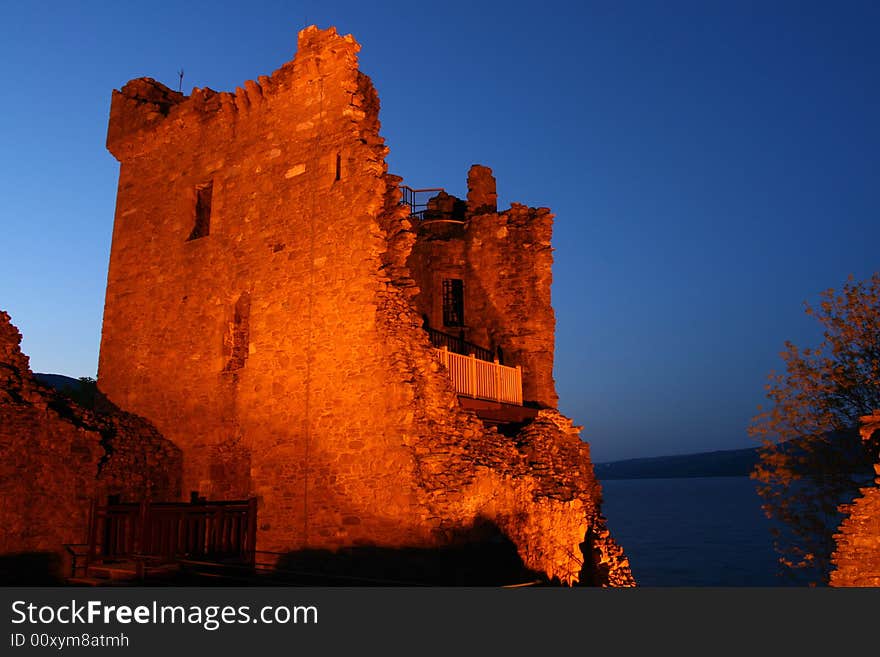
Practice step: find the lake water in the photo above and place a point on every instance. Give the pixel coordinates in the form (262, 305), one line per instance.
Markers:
(702, 531)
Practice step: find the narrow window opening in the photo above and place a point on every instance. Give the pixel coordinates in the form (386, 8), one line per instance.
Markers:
(237, 337)
(338, 166)
(202, 225)
(453, 302)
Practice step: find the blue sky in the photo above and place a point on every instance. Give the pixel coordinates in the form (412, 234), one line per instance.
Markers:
(712, 165)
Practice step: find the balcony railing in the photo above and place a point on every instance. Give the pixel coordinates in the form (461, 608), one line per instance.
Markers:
(481, 379)
(459, 345)
(417, 199)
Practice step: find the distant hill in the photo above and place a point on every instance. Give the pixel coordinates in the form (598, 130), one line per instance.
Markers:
(83, 391)
(58, 381)
(726, 463)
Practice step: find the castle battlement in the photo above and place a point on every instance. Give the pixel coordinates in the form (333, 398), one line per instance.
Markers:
(145, 113)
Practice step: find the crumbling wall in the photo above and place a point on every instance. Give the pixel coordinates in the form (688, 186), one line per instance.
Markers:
(857, 557)
(505, 261)
(538, 487)
(48, 461)
(56, 457)
(138, 463)
(322, 397)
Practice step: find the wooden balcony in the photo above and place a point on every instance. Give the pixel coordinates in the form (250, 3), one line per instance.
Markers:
(480, 379)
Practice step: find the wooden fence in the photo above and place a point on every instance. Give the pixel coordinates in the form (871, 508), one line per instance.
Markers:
(168, 531)
(481, 379)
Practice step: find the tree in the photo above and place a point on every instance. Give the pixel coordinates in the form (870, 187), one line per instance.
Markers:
(84, 393)
(811, 458)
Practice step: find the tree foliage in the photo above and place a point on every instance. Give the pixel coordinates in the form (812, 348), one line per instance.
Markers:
(811, 457)
(84, 393)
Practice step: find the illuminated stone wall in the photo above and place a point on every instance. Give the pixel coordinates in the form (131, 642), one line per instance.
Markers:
(505, 262)
(857, 557)
(260, 312)
(56, 457)
(297, 406)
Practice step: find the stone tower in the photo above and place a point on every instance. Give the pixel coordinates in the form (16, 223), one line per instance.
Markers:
(265, 307)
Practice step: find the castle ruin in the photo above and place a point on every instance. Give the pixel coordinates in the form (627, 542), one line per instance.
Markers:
(374, 372)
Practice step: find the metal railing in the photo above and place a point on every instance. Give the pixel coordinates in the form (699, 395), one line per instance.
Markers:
(459, 345)
(417, 199)
(480, 379)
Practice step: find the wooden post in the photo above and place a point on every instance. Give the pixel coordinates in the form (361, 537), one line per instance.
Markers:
(252, 530)
(497, 371)
(518, 391)
(93, 534)
(143, 533)
(472, 375)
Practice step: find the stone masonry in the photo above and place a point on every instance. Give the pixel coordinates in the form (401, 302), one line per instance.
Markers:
(857, 557)
(505, 263)
(56, 457)
(264, 310)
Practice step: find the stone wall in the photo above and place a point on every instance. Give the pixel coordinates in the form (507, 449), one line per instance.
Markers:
(260, 313)
(538, 487)
(56, 457)
(857, 557)
(296, 168)
(505, 262)
(48, 460)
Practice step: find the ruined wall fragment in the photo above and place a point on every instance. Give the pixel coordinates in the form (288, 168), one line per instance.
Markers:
(856, 560)
(538, 487)
(48, 463)
(56, 457)
(505, 262)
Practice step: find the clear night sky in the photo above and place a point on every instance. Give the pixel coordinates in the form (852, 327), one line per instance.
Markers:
(712, 165)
